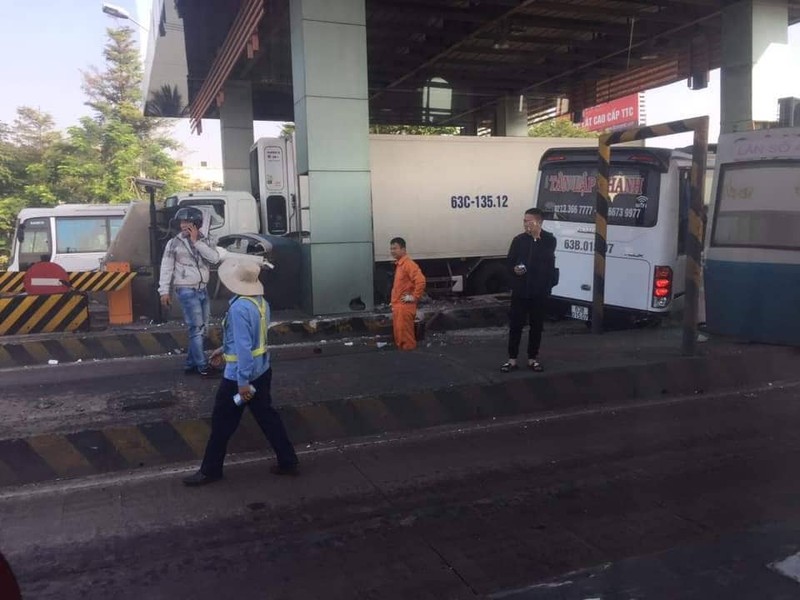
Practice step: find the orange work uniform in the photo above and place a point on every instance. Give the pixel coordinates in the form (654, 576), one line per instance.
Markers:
(408, 279)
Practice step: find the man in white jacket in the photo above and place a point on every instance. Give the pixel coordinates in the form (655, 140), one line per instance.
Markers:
(185, 270)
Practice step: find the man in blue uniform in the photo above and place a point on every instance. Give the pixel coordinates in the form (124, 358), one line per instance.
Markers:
(247, 373)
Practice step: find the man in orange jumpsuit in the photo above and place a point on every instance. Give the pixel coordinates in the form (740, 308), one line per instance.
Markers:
(407, 289)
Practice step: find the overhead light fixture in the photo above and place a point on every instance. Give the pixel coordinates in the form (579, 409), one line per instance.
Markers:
(112, 10)
(502, 33)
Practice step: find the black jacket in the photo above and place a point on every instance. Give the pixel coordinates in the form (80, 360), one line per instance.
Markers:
(539, 257)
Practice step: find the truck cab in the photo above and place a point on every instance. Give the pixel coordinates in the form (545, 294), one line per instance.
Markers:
(229, 211)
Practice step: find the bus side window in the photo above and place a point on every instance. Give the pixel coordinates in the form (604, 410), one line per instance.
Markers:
(684, 195)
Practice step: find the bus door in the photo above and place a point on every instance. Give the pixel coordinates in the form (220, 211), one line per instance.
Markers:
(567, 195)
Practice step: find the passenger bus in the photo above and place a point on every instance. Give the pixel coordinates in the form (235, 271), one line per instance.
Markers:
(75, 236)
(752, 257)
(649, 193)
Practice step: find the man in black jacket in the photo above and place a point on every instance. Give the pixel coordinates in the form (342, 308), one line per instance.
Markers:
(532, 259)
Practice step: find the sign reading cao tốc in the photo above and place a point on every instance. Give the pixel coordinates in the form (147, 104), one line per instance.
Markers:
(621, 113)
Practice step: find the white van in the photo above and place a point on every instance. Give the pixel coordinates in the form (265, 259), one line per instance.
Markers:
(649, 191)
(75, 236)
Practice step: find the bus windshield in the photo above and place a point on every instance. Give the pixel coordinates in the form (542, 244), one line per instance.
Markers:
(33, 239)
(568, 192)
(771, 186)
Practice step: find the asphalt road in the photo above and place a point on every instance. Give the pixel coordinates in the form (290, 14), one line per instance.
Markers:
(504, 510)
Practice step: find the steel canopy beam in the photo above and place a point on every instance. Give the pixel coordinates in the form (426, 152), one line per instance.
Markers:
(244, 26)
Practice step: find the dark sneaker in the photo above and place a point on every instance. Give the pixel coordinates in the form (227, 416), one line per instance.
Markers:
(199, 479)
(285, 469)
(209, 372)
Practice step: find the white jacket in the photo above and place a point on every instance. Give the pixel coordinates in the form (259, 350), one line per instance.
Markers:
(185, 264)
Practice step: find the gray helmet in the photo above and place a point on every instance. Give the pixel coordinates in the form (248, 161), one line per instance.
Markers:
(191, 214)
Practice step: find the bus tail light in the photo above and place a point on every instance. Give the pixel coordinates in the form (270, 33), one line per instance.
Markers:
(644, 158)
(662, 287)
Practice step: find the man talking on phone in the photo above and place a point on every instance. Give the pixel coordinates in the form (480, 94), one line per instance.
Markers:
(532, 260)
(185, 270)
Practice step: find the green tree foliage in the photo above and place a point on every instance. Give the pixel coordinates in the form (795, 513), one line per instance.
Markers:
(414, 130)
(98, 158)
(33, 134)
(559, 128)
(117, 143)
(7, 159)
(28, 168)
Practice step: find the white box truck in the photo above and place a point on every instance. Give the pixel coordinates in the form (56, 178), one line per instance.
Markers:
(457, 201)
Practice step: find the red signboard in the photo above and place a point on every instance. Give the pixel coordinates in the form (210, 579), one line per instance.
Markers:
(46, 278)
(617, 114)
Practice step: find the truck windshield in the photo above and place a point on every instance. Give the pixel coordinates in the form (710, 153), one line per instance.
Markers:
(757, 205)
(568, 193)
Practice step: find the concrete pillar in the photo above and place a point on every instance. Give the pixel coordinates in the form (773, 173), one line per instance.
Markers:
(236, 130)
(331, 110)
(754, 62)
(511, 119)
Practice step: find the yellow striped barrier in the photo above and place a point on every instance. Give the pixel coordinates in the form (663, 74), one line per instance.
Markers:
(12, 282)
(44, 313)
(694, 245)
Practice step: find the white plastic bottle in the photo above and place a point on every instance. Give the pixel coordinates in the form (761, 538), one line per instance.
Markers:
(237, 399)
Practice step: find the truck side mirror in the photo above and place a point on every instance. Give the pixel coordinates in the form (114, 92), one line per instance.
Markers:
(21, 233)
(216, 222)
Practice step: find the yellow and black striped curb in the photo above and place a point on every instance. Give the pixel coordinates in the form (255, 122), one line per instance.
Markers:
(56, 456)
(12, 282)
(44, 314)
(73, 347)
(123, 344)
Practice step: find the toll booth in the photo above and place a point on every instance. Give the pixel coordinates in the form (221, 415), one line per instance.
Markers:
(752, 263)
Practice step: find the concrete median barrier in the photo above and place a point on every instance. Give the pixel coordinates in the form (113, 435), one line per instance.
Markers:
(65, 455)
(21, 351)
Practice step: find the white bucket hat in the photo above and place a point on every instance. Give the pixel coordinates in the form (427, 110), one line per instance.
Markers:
(240, 276)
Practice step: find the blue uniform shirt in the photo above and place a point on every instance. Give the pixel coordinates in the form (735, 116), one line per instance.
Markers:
(242, 336)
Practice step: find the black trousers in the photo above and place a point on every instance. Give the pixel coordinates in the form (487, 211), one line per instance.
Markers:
(530, 310)
(227, 415)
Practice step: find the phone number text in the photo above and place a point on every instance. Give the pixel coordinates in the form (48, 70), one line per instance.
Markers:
(583, 209)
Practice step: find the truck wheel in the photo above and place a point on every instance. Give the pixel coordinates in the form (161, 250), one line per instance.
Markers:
(491, 278)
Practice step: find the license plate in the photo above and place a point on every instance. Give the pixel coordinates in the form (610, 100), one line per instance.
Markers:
(579, 312)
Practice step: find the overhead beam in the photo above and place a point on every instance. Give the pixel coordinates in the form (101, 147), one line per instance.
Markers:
(645, 13)
(486, 26)
(667, 33)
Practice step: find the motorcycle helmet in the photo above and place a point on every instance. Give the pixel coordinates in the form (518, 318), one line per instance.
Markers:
(191, 214)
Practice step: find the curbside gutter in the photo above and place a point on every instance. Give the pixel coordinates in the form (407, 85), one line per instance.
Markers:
(57, 456)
